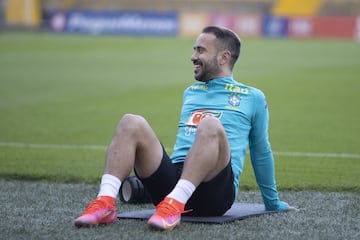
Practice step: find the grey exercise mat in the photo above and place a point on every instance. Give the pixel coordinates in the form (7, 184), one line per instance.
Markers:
(238, 211)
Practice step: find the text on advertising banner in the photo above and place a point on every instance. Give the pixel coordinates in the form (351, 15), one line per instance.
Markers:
(116, 22)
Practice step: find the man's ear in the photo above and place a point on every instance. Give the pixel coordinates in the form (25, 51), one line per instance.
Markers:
(225, 57)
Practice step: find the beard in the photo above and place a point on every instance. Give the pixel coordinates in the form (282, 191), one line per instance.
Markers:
(205, 71)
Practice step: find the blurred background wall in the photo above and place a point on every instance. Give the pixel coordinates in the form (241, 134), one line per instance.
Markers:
(250, 18)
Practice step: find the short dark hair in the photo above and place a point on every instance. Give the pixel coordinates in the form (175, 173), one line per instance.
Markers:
(228, 40)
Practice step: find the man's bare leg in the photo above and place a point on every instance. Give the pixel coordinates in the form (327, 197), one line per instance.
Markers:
(134, 145)
(208, 156)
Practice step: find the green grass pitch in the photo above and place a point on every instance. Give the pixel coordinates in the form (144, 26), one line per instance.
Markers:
(61, 97)
(72, 90)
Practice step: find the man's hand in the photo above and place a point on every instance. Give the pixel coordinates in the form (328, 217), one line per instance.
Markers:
(284, 206)
(291, 208)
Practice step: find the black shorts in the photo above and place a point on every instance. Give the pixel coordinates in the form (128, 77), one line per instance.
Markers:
(212, 198)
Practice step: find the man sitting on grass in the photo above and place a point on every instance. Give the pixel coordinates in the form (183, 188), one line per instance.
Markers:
(219, 119)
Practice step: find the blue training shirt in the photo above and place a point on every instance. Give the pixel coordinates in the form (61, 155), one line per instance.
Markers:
(244, 115)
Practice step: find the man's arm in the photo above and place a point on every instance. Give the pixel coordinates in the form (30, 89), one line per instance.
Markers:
(261, 156)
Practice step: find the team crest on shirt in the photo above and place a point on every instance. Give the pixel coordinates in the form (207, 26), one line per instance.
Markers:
(234, 100)
(197, 116)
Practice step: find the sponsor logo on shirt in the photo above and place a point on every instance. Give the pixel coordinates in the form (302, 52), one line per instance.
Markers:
(197, 116)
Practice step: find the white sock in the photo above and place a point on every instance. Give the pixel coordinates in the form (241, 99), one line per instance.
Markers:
(182, 191)
(109, 186)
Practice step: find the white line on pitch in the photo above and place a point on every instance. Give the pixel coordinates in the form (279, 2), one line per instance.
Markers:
(52, 146)
(102, 147)
(320, 155)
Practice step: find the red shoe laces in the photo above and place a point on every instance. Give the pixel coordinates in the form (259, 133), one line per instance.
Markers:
(165, 209)
(94, 206)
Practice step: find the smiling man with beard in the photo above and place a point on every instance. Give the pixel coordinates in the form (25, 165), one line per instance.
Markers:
(219, 119)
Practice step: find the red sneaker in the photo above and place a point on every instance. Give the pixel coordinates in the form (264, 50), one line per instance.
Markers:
(167, 215)
(99, 211)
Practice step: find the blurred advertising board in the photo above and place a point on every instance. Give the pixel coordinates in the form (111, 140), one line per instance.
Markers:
(334, 27)
(115, 22)
(222, 20)
(248, 25)
(192, 23)
(357, 29)
(300, 27)
(147, 23)
(274, 26)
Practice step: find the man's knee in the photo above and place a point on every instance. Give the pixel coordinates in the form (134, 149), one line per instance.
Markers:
(132, 118)
(211, 126)
(131, 124)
